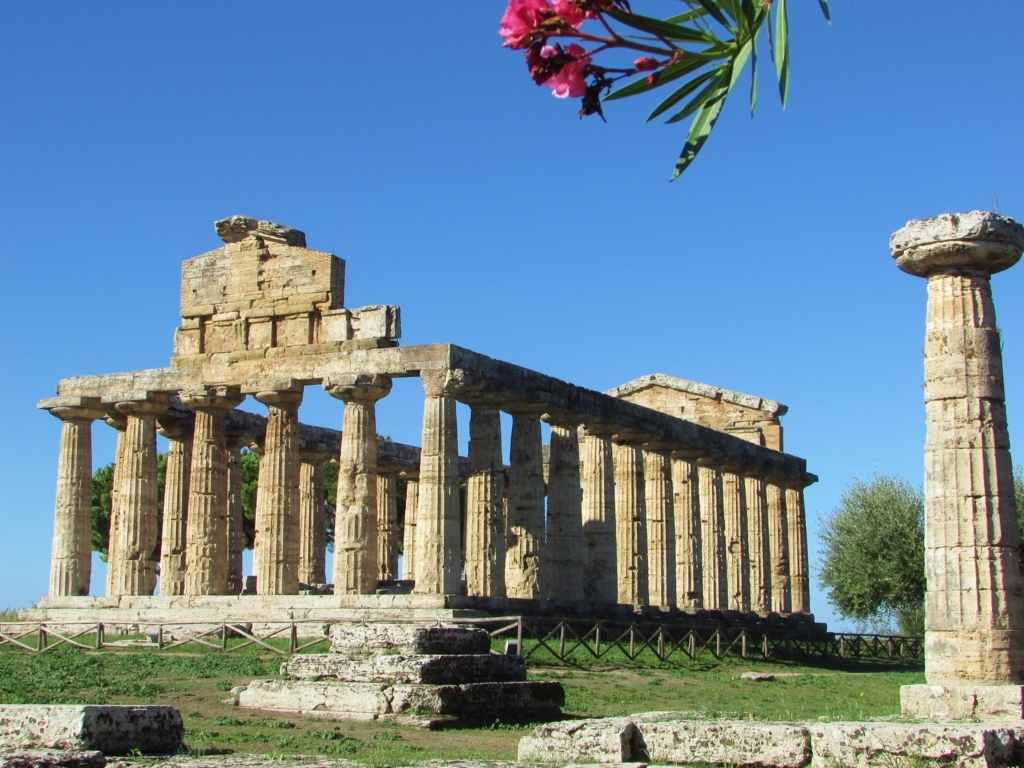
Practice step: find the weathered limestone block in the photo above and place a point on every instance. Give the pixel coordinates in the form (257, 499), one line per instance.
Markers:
(565, 512)
(600, 581)
(631, 524)
(963, 702)
(407, 640)
(393, 668)
(737, 561)
(52, 758)
(524, 530)
(861, 745)
(604, 740)
(485, 513)
(111, 729)
(727, 742)
(661, 533)
(689, 550)
(358, 701)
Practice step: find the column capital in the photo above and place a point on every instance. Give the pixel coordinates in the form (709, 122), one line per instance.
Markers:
(687, 454)
(116, 419)
(979, 242)
(562, 418)
(659, 446)
(74, 408)
(715, 462)
(213, 397)
(598, 429)
(437, 383)
(142, 403)
(622, 436)
(279, 398)
(358, 387)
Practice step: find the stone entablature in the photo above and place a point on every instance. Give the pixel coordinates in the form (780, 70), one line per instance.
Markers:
(653, 493)
(753, 418)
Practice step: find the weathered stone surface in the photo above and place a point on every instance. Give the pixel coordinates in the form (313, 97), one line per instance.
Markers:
(435, 670)
(726, 742)
(605, 740)
(407, 639)
(367, 701)
(631, 524)
(757, 677)
(963, 702)
(600, 581)
(524, 524)
(860, 745)
(485, 510)
(110, 729)
(945, 241)
(52, 758)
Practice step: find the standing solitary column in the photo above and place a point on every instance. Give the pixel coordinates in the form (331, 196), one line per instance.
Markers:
(355, 527)
(686, 508)
(778, 544)
(631, 524)
(136, 511)
(412, 501)
(524, 531)
(71, 561)
(974, 606)
(119, 422)
(485, 513)
(661, 528)
(438, 522)
(712, 529)
(600, 579)
(178, 431)
(757, 544)
(387, 526)
(799, 568)
(565, 512)
(207, 529)
(312, 519)
(737, 562)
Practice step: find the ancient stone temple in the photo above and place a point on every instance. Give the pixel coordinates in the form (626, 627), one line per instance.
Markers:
(661, 495)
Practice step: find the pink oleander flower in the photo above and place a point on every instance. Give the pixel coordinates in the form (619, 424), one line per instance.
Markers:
(645, 64)
(572, 13)
(521, 19)
(569, 80)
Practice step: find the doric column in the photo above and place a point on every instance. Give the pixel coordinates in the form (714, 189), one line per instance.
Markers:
(686, 508)
(485, 512)
(778, 544)
(136, 512)
(524, 531)
(312, 519)
(712, 529)
(355, 527)
(71, 560)
(207, 529)
(438, 545)
(659, 504)
(757, 543)
(565, 512)
(737, 562)
(387, 526)
(974, 605)
(412, 501)
(178, 431)
(799, 568)
(600, 579)
(119, 422)
(236, 513)
(276, 541)
(630, 523)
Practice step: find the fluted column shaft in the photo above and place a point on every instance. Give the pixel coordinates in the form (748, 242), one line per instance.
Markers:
(689, 551)
(565, 513)
(661, 527)
(136, 511)
(757, 544)
(355, 528)
(631, 524)
(712, 526)
(235, 519)
(71, 560)
(312, 521)
(778, 544)
(412, 501)
(485, 512)
(524, 532)
(737, 562)
(799, 568)
(119, 422)
(207, 528)
(438, 523)
(387, 526)
(173, 540)
(600, 579)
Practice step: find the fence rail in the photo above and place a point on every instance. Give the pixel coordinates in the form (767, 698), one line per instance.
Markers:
(562, 639)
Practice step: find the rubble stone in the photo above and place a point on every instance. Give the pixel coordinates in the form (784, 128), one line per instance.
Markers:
(111, 729)
(605, 740)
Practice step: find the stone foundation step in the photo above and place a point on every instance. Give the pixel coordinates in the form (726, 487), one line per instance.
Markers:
(521, 701)
(111, 729)
(407, 639)
(436, 670)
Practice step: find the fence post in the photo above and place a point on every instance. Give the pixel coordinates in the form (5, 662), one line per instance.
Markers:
(561, 641)
(693, 645)
(718, 644)
(743, 643)
(764, 646)
(631, 656)
(41, 641)
(842, 647)
(661, 643)
(519, 636)
(99, 635)
(597, 641)
(293, 639)
(223, 635)
(160, 636)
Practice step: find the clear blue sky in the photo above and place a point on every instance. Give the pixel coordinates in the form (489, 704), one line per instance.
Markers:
(403, 138)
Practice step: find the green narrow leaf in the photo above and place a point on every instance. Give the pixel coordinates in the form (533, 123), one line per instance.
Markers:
(753, 76)
(670, 31)
(782, 51)
(667, 75)
(714, 90)
(682, 93)
(700, 129)
(688, 16)
(740, 61)
(824, 9)
(712, 8)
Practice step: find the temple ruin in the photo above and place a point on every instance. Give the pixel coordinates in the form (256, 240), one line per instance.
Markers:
(662, 495)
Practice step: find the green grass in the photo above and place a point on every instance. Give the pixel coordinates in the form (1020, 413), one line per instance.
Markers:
(198, 682)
